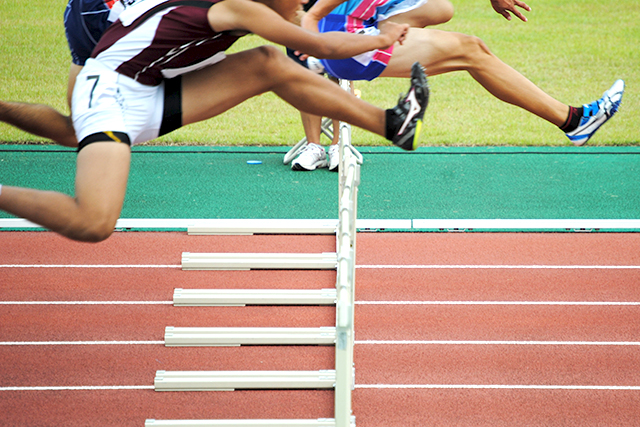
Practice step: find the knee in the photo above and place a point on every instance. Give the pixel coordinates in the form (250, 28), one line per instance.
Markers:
(91, 230)
(473, 48)
(98, 233)
(271, 57)
(276, 66)
(445, 12)
(435, 12)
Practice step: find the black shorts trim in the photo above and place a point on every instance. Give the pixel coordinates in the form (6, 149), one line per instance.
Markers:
(107, 136)
(172, 114)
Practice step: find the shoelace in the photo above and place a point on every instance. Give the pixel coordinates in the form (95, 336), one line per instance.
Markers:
(312, 149)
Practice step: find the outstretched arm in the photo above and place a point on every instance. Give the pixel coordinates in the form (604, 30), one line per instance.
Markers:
(503, 7)
(254, 17)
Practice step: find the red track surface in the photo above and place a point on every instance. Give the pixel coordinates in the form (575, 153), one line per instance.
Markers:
(450, 382)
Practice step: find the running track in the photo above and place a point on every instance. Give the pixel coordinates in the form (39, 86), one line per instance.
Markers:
(479, 329)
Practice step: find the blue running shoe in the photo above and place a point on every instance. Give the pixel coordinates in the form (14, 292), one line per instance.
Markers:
(597, 113)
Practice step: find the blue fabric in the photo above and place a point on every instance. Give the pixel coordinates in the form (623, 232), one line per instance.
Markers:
(85, 21)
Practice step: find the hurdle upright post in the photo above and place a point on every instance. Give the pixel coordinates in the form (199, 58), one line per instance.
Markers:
(349, 172)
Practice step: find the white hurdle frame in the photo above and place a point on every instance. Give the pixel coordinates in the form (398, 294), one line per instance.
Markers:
(342, 378)
(349, 175)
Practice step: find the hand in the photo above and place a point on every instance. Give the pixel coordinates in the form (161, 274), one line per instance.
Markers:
(503, 7)
(394, 32)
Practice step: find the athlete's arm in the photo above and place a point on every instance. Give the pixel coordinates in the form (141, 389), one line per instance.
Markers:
(318, 11)
(254, 17)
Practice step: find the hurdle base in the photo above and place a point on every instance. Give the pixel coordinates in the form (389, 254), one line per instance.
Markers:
(320, 422)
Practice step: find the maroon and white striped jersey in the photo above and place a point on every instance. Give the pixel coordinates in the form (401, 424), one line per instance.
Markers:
(157, 39)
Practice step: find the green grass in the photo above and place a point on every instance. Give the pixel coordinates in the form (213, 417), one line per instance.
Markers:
(572, 49)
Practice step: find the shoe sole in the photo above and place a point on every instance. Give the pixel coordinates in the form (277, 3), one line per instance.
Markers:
(299, 167)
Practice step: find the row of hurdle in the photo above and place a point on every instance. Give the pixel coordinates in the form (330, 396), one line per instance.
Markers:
(341, 335)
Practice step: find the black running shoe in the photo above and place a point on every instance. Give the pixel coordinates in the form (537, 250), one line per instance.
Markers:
(404, 121)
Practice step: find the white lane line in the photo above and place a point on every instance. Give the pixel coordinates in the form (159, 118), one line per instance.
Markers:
(360, 342)
(584, 303)
(560, 303)
(34, 343)
(496, 387)
(460, 342)
(382, 267)
(86, 302)
(498, 267)
(359, 386)
(79, 388)
(90, 266)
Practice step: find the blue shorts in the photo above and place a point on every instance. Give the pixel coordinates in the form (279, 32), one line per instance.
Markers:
(84, 22)
(366, 66)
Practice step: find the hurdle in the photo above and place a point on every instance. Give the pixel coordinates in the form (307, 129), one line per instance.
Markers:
(326, 129)
(341, 336)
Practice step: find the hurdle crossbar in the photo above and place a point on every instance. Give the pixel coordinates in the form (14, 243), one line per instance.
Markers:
(241, 297)
(264, 226)
(229, 336)
(262, 261)
(243, 380)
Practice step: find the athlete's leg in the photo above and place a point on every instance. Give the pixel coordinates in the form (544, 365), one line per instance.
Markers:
(442, 52)
(74, 70)
(101, 180)
(213, 90)
(43, 120)
(433, 12)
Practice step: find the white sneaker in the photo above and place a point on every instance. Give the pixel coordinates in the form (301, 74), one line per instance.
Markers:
(334, 158)
(311, 157)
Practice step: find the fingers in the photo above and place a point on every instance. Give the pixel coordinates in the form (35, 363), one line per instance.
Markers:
(506, 7)
(517, 12)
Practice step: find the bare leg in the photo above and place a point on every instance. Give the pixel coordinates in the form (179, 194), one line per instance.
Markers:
(43, 120)
(213, 90)
(74, 70)
(433, 12)
(40, 120)
(101, 180)
(313, 126)
(443, 52)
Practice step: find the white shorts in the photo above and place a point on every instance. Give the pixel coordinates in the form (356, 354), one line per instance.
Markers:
(107, 101)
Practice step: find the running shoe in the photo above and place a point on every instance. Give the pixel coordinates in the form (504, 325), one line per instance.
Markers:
(597, 113)
(334, 158)
(404, 121)
(310, 158)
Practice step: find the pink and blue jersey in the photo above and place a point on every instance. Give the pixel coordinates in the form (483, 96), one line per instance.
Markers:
(362, 17)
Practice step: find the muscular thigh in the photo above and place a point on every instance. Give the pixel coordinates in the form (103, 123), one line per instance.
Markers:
(212, 90)
(438, 51)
